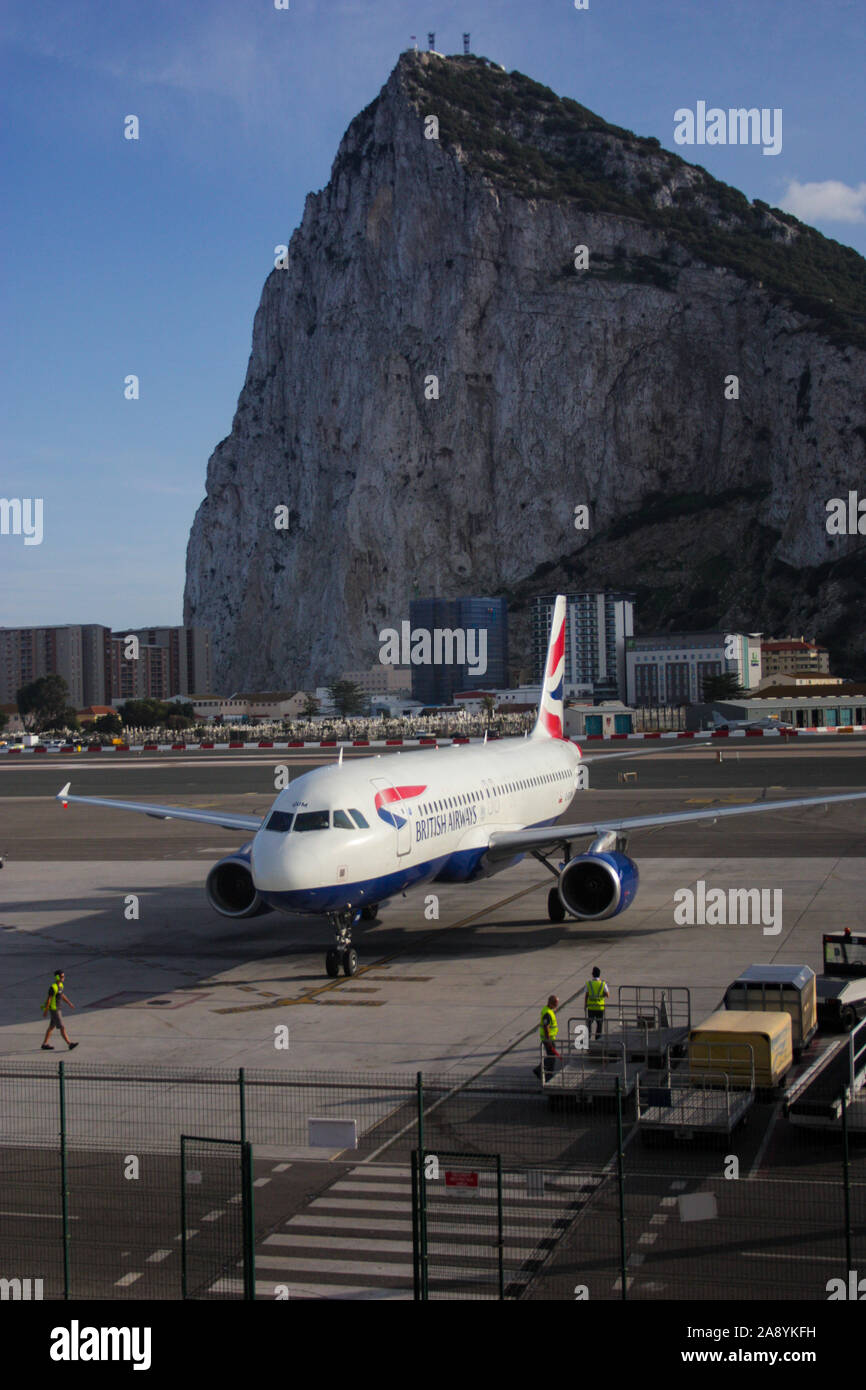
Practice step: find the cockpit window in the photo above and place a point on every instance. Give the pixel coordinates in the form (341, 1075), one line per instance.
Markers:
(342, 822)
(312, 820)
(279, 820)
(358, 819)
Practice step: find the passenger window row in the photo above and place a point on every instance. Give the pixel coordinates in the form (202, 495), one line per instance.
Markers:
(429, 808)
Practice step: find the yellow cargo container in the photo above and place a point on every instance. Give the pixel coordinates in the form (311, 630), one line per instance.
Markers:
(713, 1045)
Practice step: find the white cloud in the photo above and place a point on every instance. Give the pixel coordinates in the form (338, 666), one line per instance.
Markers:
(828, 201)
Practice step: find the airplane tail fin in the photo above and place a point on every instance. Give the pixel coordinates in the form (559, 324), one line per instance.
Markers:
(549, 723)
(717, 718)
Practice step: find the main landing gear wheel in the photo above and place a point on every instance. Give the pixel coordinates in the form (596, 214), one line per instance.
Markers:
(350, 962)
(555, 910)
(369, 914)
(332, 962)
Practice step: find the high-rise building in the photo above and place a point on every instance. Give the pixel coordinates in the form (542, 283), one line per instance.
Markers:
(187, 660)
(474, 629)
(141, 677)
(597, 624)
(80, 653)
(670, 668)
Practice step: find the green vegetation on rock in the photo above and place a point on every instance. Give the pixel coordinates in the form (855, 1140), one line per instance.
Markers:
(531, 142)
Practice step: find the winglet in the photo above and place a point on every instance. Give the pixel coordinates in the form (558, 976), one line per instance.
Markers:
(62, 795)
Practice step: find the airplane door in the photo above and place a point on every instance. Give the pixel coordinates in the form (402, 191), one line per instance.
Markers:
(493, 787)
(391, 810)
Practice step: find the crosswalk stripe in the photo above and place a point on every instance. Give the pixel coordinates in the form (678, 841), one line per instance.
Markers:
(359, 1223)
(373, 1268)
(355, 1240)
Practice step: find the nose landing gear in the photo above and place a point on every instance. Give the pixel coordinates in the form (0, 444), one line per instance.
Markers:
(342, 953)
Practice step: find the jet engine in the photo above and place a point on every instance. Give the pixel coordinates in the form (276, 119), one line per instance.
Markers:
(595, 886)
(230, 888)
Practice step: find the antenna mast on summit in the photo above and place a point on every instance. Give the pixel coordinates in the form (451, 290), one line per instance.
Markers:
(466, 45)
(431, 42)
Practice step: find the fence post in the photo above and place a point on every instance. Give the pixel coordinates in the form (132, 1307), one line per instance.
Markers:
(416, 1243)
(500, 1227)
(846, 1178)
(64, 1180)
(183, 1216)
(242, 1100)
(621, 1185)
(422, 1186)
(249, 1224)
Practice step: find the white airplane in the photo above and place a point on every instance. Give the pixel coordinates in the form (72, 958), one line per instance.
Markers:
(342, 839)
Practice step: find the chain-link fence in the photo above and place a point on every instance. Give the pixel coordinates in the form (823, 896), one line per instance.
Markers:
(517, 1190)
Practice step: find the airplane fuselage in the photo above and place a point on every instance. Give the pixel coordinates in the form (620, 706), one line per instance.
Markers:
(356, 833)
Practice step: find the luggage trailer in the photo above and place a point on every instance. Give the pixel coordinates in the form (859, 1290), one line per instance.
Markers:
(639, 1033)
(709, 1094)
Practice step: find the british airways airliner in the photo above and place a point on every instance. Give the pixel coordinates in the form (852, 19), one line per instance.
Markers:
(340, 840)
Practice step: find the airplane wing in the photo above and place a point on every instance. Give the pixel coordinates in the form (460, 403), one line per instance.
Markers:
(227, 820)
(505, 843)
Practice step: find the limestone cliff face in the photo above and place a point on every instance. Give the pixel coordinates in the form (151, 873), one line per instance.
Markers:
(556, 387)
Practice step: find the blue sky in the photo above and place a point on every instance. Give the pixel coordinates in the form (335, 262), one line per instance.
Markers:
(149, 257)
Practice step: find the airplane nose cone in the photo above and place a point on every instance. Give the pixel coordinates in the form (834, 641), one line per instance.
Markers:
(268, 861)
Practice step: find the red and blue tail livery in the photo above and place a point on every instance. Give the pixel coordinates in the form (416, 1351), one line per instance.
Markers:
(549, 723)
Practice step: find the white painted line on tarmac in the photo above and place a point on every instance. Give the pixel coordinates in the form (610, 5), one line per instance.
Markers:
(39, 1215)
(528, 1216)
(359, 1223)
(361, 1244)
(324, 1291)
(213, 1216)
(759, 1156)
(261, 1182)
(189, 1235)
(367, 1268)
(808, 1259)
(281, 1168)
(127, 1279)
(157, 1256)
(392, 1187)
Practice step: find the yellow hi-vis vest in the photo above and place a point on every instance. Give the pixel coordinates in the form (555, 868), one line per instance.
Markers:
(595, 1000)
(55, 989)
(548, 1016)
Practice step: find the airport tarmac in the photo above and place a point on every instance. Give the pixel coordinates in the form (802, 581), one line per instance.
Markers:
(179, 985)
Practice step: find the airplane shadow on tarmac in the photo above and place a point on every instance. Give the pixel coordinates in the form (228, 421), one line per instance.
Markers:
(178, 934)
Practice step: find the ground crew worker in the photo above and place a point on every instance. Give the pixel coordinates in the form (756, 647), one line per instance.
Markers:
(547, 1031)
(595, 994)
(52, 1008)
